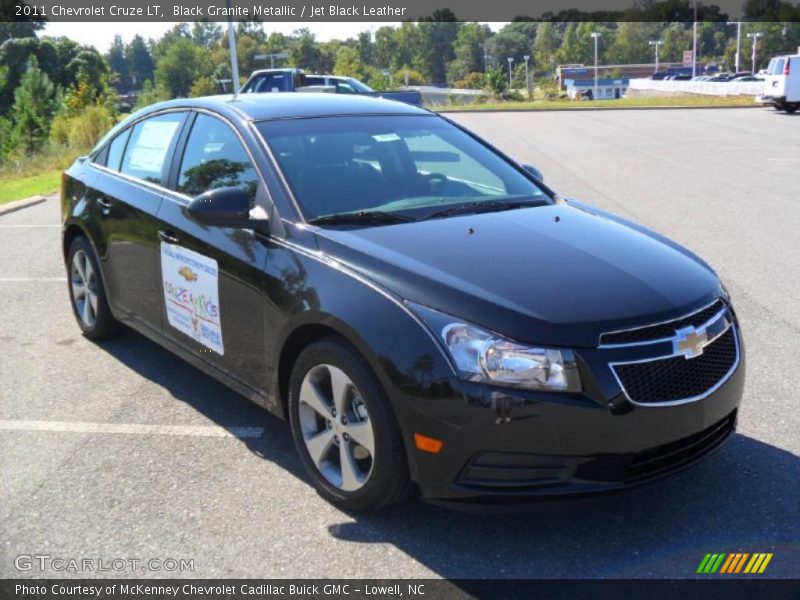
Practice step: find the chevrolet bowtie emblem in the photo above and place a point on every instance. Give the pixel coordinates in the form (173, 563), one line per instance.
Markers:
(689, 341)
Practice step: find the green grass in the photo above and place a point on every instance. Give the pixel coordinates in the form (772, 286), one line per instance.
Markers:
(635, 102)
(17, 188)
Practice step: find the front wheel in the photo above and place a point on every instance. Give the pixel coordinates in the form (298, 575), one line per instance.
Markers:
(345, 430)
(86, 292)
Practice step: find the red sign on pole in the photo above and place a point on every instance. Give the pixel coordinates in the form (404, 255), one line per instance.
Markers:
(687, 58)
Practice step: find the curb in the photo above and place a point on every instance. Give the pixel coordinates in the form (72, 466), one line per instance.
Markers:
(588, 109)
(20, 204)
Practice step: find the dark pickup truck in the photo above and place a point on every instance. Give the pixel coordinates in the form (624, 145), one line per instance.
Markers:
(296, 80)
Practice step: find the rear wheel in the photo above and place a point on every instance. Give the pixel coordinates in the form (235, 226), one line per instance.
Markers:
(344, 429)
(791, 108)
(86, 292)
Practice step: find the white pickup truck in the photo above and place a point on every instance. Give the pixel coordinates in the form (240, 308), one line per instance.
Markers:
(782, 83)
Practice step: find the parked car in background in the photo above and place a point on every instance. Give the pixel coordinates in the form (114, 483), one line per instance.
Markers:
(782, 84)
(743, 78)
(296, 80)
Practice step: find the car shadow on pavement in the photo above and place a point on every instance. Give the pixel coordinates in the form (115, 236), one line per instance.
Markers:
(207, 396)
(746, 498)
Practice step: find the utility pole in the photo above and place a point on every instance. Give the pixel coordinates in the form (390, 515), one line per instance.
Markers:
(596, 36)
(738, 41)
(527, 57)
(755, 37)
(234, 57)
(656, 43)
(510, 63)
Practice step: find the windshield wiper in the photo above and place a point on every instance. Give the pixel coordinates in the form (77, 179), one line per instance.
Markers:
(362, 217)
(481, 207)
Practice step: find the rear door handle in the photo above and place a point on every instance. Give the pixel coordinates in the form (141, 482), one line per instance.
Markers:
(104, 202)
(168, 236)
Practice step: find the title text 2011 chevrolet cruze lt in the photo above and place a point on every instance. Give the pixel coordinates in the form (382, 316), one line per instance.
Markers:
(424, 311)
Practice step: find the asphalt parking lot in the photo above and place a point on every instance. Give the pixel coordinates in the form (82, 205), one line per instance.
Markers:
(120, 450)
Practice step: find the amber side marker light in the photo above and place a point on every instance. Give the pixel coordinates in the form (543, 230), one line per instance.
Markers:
(428, 444)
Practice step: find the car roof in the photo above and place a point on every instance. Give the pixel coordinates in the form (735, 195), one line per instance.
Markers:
(268, 106)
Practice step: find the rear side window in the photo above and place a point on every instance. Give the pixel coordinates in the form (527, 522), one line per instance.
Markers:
(777, 68)
(146, 155)
(116, 148)
(215, 158)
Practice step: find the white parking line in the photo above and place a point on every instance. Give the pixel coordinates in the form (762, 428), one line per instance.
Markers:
(131, 428)
(785, 159)
(18, 279)
(28, 226)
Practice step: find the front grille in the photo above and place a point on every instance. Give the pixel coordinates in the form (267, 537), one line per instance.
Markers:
(678, 378)
(662, 330)
(662, 459)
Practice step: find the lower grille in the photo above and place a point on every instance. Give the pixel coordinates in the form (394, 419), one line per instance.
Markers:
(662, 459)
(677, 378)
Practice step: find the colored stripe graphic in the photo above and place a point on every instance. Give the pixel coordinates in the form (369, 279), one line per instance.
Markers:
(711, 563)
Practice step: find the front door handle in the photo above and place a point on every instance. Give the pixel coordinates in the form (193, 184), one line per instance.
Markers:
(168, 236)
(104, 202)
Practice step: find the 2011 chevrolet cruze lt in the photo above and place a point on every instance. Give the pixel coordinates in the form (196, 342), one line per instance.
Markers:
(425, 312)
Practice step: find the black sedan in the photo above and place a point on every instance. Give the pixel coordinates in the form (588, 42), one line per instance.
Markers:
(427, 314)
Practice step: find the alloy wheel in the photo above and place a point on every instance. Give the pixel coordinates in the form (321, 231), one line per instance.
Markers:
(336, 428)
(83, 281)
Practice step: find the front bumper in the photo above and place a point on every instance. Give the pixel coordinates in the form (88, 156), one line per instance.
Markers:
(507, 446)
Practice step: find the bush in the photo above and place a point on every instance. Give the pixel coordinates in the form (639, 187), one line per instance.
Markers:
(496, 82)
(414, 77)
(82, 131)
(473, 81)
(204, 86)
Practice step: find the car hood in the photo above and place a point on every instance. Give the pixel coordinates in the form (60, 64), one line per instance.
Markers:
(560, 274)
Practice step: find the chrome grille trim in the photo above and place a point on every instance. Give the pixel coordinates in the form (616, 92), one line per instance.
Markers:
(656, 324)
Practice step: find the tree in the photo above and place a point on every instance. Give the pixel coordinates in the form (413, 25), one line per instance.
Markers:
(348, 63)
(469, 49)
(384, 49)
(179, 67)
(437, 35)
(206, 34)
(11, 26)
(303, 51)
(515, 40)
(544, 48)
(34, 104)
(140, 62)
(118, 64)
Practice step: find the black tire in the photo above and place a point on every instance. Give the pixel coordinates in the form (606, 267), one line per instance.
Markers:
(388, 481)
(103, 326)
(791, 108)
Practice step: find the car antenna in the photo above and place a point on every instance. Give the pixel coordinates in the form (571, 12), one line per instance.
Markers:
(234, 57)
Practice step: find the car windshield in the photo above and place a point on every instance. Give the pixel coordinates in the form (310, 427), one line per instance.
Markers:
(408, 166)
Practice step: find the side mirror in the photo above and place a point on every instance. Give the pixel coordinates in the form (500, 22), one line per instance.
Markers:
(222, 207)
(534, 171)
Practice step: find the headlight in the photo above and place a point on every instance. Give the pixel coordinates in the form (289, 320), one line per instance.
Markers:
(483, 356)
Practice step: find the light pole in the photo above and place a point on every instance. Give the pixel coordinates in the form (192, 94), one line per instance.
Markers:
(656, 43)
(738, 40)
(755, 37)
(596, 36)
(694, 43)
(510, 62)
(527, 57)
